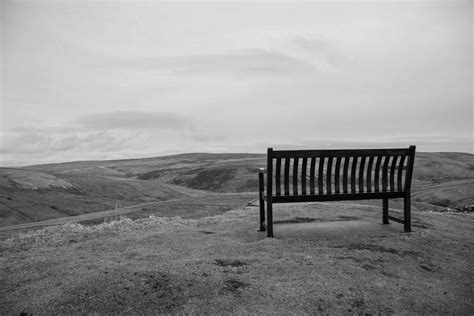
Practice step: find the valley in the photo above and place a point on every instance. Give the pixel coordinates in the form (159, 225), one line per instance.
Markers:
(46, 192)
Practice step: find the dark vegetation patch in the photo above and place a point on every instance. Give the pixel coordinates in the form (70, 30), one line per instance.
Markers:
(234, 286)
(212, 180)
(156, 174)
(368, 267)
(348, 218)
(229, 263)
(459, 209)
(426, 267)
(297, 220)
(440, 202)
(358, 303)
(249, 185)
(390, 274)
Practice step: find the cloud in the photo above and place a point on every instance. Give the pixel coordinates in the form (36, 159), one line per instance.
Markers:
(320, 51)
(34, 142)
(24, 142)
(237, 63)
(136, 120)
(26, 148)
(98, 136)
(37, 128)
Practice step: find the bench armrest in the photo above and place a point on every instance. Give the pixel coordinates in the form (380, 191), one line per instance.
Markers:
(261, 181)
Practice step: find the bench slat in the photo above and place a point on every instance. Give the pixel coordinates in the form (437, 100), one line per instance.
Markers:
(329, 176)
(312, 171)
(337, 171)
(400, 172)
(369, 174)
(278, 177)
(353, 174)
(344, 175)
(385, 174)
(361, 175)
(295, 176)
(377, 173)
(320, 175)
(392, 173)
(303, 175)
(286, 177)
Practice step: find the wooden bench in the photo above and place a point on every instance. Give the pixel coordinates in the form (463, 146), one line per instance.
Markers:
(336, 175)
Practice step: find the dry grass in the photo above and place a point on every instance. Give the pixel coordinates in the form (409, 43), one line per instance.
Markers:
(221, 264)
(74, 232)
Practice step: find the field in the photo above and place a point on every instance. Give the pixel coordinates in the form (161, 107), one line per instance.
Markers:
(329, 258)
(46, 192)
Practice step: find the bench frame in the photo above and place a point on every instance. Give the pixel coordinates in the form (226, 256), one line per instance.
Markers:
(403, 190)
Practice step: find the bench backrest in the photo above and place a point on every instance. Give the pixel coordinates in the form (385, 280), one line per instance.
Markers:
(325, 172)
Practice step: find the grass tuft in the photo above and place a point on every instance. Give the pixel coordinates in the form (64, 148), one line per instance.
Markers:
(73, 232)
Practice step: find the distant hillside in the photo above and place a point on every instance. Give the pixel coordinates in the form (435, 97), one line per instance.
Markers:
(28, 195)
(445, 179)
(49, 191)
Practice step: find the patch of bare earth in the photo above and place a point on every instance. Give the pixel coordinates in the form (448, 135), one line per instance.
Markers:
(326, 258)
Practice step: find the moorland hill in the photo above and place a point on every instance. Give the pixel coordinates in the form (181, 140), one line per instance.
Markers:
(51, 191)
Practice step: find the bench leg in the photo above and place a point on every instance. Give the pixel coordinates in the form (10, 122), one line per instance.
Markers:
(385, 211)
(407, 213)
(269, 219)
(261, 201)
(262, 213)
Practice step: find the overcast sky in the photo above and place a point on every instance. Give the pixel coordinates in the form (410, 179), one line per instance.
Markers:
(106, 80)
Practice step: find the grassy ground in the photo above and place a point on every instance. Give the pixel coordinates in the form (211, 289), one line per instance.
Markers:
(221, 264)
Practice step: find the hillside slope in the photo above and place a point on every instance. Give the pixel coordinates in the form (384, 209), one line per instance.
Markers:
(56, 190)
(28, 195)
(237, 172)
(328, 258)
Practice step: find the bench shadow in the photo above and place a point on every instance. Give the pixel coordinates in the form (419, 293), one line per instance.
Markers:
(335, 228)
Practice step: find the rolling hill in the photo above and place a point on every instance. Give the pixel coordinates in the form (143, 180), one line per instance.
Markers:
(51, 191)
